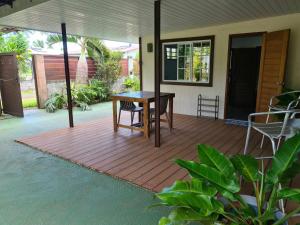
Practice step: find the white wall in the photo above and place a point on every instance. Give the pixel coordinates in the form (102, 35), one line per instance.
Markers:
(186, 96)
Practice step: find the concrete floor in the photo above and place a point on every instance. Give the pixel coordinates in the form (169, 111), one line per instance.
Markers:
(39, 189)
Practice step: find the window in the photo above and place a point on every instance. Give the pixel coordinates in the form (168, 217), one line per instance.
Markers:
(188, 61)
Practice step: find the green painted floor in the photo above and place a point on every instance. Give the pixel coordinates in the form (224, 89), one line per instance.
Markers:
(39, 189)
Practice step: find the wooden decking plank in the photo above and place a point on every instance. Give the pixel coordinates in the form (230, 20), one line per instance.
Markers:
(128, 155)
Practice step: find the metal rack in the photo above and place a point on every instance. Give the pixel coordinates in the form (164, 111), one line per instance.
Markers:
(208, 105)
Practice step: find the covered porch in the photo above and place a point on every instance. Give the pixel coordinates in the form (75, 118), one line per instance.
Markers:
(129, 156)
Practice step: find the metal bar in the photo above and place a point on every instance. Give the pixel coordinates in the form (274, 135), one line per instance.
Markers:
(157, 70)
(67, 73)
(141, 63)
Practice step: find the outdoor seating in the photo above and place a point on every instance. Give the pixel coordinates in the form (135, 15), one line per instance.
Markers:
(163, 111)
(275, 131)
(274, 105)
(129, 107)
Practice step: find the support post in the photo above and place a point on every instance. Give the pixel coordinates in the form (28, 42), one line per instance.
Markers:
(157, 70)
(141, 63)
(67, 73)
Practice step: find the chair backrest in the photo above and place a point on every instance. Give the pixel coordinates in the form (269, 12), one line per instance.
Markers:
(124, 105)
(163, 104)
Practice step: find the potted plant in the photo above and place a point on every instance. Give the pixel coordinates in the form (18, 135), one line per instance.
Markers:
(213, 195)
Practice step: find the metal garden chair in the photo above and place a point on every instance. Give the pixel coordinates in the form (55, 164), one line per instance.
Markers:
(129, 107)
(274, 106)
(275, 131)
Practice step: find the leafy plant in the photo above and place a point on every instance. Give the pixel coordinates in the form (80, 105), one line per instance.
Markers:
(213, 195)
(100, 88)
(55, 102)
(17, 43)
(132, 82)
(108, 71)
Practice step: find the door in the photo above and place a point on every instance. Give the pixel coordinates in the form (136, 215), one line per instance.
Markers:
(243, 79)
(272, 67)
(10, 86)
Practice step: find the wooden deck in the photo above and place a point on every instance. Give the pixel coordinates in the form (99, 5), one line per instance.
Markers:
(129, 156)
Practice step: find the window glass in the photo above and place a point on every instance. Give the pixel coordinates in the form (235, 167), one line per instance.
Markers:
(188, 61)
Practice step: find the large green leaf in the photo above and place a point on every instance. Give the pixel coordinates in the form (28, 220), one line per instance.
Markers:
(202, 204)
(290, 194)
(247, 166)
(195, 186)
(212, 157)
(284, 159)
(210, 174)
(188, 215)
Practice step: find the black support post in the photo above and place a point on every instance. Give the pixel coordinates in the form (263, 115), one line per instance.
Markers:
(157, 70)
(141, 63)
(67, 73)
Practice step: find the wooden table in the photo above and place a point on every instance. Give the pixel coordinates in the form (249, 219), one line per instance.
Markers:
(144, 98)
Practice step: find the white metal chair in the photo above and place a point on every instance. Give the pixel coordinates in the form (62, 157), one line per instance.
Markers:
(274, 106)
(275, 131)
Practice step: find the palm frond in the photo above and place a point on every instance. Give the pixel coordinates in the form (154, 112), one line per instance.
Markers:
(57, 38)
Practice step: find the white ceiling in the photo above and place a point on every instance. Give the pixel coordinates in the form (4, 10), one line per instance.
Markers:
(126, 20)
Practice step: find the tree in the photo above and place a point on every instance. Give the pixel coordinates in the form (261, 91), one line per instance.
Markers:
(92, 46)
(38, 44)
(17, 43)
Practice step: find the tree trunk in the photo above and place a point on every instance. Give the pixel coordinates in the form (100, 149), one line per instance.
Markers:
(82, 68)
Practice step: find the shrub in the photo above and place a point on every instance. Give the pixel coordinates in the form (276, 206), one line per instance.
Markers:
(132, 82)
(100, 88)
(55, 102)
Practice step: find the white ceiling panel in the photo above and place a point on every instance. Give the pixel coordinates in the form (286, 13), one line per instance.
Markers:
(126, 20)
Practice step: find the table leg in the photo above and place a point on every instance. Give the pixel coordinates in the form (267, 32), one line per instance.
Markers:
(171, 111)
(140, 119)
(146, 120)
(115, 115)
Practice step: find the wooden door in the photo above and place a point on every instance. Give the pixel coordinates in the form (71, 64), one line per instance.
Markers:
(272, 67)
(10, 86)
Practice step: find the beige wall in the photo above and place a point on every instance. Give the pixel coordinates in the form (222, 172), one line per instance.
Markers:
(186, 96)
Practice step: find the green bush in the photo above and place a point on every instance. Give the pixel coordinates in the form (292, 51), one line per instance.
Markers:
(82, 96)
(100, 88)
(55, 102)
(132, 82)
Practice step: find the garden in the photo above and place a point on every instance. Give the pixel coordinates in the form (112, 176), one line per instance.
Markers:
(86, 90)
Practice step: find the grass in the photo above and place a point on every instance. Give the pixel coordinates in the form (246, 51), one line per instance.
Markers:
(29, 103)
(28, 92)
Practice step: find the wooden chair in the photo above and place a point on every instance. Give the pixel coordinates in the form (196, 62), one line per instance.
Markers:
(129, 107)
(163, 111)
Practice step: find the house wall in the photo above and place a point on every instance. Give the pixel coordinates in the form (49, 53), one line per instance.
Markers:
(185, 101)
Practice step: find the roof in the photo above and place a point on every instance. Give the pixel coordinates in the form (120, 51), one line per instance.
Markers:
(126, 20)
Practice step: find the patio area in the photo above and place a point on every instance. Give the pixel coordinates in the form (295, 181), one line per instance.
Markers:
(37, 188)
(129, 156)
